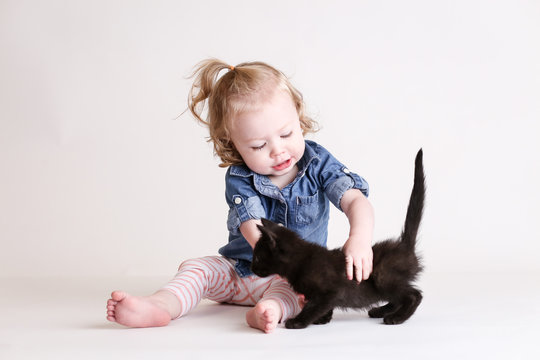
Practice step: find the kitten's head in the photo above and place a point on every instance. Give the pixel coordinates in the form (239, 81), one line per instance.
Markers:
(272, 252)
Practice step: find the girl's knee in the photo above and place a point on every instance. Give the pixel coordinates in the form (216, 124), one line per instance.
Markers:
(189, 264)
(198, 264)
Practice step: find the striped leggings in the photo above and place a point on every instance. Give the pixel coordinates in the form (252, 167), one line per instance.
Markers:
(214, 278)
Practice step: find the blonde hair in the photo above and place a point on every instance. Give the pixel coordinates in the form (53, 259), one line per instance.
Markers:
(241, 89)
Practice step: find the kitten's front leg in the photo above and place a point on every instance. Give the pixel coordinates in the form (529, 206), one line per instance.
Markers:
(325, 319)
(311, 312)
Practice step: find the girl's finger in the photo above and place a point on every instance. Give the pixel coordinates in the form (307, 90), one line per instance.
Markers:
(349, 266)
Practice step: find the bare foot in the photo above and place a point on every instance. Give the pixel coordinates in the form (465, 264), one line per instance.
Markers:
(264, 316)
(135, 311)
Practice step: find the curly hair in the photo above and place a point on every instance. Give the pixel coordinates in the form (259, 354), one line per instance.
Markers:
(242, 89)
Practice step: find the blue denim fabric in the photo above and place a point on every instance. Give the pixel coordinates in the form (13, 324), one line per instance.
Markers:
(302, 205)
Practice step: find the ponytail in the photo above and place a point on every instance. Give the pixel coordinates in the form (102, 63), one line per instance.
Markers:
(206, 75)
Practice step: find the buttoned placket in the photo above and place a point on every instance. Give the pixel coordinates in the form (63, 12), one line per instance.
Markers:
(265, 187)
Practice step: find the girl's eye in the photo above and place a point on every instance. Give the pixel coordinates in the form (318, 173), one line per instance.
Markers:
(258, 147)
(287, 135)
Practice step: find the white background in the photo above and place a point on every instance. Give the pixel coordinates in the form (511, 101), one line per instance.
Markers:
(100, 176)
(104, 186)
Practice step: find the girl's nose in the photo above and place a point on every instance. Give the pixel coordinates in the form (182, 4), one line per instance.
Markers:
(277, 150)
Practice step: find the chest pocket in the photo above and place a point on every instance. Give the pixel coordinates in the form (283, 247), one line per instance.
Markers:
(307, 208)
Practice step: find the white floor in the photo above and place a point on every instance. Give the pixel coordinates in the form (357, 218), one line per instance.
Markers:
(473, 316)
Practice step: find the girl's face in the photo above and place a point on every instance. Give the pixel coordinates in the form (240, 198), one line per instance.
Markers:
(270, 139)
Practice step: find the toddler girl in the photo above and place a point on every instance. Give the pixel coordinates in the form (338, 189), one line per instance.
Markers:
(257, 125)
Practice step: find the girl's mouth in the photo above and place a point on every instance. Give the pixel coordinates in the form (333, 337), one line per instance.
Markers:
(283, 165)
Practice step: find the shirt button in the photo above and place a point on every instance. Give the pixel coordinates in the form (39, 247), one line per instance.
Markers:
(237, 201)
(346, 171)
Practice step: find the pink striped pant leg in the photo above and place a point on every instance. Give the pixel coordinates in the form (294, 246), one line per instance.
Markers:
(210, 277)
(280, 291)
(253, 289)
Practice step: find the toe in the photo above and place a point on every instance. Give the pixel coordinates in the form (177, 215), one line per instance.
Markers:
(118, 295)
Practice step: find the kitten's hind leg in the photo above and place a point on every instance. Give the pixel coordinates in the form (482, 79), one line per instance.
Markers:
(324, 319)
(409, 303)
(383, 311)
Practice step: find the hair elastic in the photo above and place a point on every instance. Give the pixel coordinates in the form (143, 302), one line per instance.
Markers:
(231, 67)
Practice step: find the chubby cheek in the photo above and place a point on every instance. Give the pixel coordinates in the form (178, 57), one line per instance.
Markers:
(255, 161)
(299, 147)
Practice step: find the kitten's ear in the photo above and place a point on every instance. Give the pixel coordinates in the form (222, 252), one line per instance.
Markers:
(271, 226)
(267, 233)
(267, 223)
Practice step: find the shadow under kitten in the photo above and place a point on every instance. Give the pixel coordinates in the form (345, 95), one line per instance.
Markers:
(320, 274)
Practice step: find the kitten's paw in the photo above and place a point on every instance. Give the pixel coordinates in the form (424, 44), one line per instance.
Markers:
(324, 319)
(393, 320)
(376, 313)
(382, 311)
(295, 324)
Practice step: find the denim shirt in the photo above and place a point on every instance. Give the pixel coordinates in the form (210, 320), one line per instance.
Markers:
(302, 205)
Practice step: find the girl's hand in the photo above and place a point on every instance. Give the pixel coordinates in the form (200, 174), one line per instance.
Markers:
(357, 249)
(358, 259)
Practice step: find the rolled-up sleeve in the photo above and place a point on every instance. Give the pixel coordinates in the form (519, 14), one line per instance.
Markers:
(244, 203)
(336, 178)
(336, 189)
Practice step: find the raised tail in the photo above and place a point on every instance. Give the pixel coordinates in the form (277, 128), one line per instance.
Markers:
(416, 204)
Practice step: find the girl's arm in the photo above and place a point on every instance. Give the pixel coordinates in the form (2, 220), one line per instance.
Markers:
(357, 248)
(250, 231)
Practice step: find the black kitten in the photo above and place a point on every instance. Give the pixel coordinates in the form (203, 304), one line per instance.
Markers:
(320, 274)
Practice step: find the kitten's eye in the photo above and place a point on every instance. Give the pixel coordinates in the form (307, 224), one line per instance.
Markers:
(257, 148)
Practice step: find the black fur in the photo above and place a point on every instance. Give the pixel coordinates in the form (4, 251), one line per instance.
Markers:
(320, 274)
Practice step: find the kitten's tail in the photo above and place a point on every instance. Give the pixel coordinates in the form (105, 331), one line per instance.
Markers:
(416, 204)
